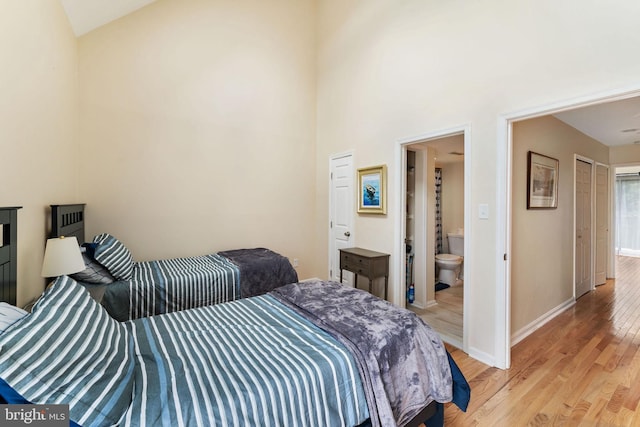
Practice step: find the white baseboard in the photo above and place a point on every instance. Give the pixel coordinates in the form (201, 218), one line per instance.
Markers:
(540, 321)
(451, 340)
(481, 356)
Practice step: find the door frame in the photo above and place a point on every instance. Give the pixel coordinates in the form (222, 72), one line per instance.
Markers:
(331, 248)
(592, 163)
(399, 277)
(608, 206)
(504, 149)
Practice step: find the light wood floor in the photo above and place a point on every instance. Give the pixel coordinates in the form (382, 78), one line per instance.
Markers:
(446, 316)
(580, 369)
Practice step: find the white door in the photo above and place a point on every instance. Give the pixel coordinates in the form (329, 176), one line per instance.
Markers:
(341, 214)
(583, 228)
(602, 223)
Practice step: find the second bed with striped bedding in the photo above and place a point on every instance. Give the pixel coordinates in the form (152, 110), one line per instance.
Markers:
(147, 288)
(164, 286)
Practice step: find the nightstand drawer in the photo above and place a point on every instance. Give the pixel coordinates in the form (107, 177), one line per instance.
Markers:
(364, 262)
(349, 261)
(356, 269)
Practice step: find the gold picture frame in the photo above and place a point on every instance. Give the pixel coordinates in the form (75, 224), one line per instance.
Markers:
(542, 181)
(372, 190)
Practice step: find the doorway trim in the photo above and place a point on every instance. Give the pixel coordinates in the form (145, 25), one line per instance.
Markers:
(399, 296)
(503, 204)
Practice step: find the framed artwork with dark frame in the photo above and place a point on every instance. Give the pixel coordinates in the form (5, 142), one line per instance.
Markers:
(542, 181)
(372, 190)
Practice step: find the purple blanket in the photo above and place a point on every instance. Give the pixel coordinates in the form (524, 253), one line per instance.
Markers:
(261, 270)
(402, 361)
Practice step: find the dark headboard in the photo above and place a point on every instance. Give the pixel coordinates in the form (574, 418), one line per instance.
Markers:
(68, 220)
(8, 254)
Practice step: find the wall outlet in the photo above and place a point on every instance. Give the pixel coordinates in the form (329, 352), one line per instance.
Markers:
(295, 262)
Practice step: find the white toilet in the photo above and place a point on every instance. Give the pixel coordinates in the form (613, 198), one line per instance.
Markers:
(450, 265)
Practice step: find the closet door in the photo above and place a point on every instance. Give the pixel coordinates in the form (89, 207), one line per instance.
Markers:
(583, 228)
(602, 223)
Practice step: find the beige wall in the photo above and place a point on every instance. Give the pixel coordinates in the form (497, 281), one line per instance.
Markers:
(209, 124)
(388, 71)
(198, 128)
(542, 240)
(452, 200)
(625, 154)
(38, 124)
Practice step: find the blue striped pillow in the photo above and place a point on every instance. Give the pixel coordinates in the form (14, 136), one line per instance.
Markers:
(70, 351)
(114, 256)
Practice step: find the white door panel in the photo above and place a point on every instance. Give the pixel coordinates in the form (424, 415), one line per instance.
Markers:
(341, 213)
(583, 228)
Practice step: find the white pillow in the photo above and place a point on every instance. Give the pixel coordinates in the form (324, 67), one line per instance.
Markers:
(9, 314)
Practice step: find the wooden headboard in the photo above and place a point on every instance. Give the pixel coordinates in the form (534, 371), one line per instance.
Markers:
(8, 254)
(68, 220)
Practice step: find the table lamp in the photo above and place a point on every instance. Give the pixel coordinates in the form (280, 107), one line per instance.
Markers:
(61, 257)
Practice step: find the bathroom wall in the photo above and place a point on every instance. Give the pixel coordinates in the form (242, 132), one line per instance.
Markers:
(452, 199)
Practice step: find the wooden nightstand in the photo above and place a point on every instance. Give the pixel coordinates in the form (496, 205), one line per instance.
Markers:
(367, 263)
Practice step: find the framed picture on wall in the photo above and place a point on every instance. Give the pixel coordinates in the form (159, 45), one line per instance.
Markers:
(542, 182)
(372, 190)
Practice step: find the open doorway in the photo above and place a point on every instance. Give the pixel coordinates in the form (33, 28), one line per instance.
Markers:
(627, 211)
(434, 224)
(535, 238)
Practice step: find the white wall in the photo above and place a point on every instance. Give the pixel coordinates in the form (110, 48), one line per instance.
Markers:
(198, 128)
(388, 71)
(38, 125)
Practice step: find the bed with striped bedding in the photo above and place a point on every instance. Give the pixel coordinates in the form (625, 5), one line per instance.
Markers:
(131, 290)
(248, 362)
(259, 364)
(164, 286)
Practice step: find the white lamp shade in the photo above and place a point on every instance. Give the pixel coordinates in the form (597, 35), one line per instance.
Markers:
(62, 256)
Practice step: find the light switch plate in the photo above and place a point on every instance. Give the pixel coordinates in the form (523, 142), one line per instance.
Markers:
(483, 211)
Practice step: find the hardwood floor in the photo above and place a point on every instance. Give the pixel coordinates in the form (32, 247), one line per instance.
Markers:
(446, 316)
(580, 369)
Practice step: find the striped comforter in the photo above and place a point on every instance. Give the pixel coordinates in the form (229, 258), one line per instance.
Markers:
(165, 286)
(246, 363)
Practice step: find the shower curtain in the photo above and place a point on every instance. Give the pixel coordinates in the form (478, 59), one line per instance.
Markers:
(438, 217)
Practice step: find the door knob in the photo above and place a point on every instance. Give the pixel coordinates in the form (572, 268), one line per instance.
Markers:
(346, 233)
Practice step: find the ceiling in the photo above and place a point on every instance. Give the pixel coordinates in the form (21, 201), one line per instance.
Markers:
(87, 15)
(611, 123)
